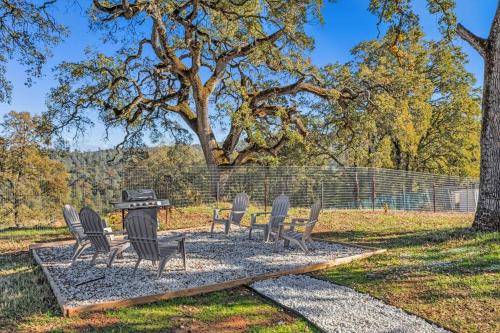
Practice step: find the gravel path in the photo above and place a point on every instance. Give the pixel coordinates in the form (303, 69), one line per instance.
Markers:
(339, 309)
(210, 259)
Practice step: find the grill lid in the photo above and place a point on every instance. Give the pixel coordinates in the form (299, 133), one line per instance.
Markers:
(138, 195)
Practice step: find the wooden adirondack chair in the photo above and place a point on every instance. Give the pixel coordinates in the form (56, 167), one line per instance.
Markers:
(278, 214)
(240, 204)
(141, 230)
(101, 239)
(290, 234)
(75, 228)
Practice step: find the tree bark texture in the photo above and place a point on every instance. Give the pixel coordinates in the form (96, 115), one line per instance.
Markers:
(487, 216)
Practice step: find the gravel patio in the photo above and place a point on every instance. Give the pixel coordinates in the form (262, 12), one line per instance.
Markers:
(211, 259)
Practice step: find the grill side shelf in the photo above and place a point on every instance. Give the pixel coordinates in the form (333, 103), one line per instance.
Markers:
(141, 204)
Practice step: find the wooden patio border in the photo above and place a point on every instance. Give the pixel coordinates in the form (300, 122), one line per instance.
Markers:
(69, 311)
(55, 289)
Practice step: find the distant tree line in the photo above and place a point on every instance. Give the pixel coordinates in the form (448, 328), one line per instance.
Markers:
(33, 187)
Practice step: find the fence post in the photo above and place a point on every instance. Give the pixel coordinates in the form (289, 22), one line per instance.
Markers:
(266, 185)
(404, 196)
(434, 197)
(167, 187)
(322, 195)
(474, 198)
(356, 197)
(373, 193)
(82, 186)
(467, 196)
(217, 194)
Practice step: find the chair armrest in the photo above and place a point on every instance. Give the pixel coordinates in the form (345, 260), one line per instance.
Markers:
(261, 213)
(297, 224)
(218, 210)
(292, 225)
(221, 209)
(230, 217)
(253, 219)
(299, 219)
(75, 227)
(119, 241)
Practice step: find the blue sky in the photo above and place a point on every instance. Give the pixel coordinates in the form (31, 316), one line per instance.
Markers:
(347, 23)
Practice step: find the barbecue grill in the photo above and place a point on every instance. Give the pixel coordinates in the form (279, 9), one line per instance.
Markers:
(142, 199)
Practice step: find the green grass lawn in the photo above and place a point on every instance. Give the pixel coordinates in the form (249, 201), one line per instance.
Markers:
(28, 305)
(435, 267)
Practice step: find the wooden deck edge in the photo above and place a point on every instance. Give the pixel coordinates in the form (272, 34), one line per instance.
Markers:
(73, 311)
(52, 283)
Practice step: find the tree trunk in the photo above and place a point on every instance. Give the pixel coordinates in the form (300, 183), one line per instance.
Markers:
(17, 219)
(215, 158)
(488, 207)
(219, 177)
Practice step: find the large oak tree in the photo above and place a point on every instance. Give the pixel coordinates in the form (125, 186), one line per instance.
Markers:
(193, 65)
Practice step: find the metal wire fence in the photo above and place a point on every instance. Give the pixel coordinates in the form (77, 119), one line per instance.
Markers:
(336, 188)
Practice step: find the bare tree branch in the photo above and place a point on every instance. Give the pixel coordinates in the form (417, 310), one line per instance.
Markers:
(478, 43)
(225, 58)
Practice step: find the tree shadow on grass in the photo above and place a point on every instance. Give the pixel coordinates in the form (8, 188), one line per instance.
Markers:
(233, 310)
(25, 291)
(392, 240)
(436, 255)
(15, 260)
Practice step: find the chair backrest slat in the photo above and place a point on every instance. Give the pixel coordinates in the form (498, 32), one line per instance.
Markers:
(141, 230)
(279, 210)
(313, 219)
(73, 221)
(70, 216)
(240, 204)
(94, 229)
